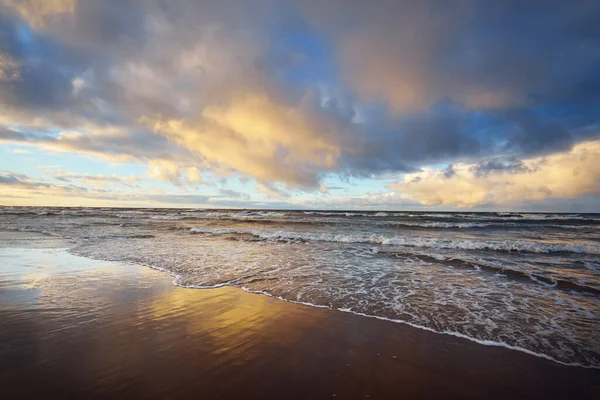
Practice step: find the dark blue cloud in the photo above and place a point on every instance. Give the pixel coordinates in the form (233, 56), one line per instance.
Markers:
(510, 165)
(540, 58)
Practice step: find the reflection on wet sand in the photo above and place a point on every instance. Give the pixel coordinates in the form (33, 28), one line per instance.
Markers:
(75, 327)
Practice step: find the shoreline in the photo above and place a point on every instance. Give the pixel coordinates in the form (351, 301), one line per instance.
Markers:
(459, 335)
(490, 343)
(75, 326)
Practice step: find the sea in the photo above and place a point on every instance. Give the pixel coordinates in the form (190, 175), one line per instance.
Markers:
(525, 281)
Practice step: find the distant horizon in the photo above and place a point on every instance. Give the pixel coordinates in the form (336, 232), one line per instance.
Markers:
(313, 210)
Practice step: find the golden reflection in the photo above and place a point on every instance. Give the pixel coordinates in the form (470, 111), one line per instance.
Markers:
(233, 319)
(143, 302)
(104, 329)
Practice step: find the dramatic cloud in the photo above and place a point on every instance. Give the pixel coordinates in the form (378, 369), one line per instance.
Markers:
(19, 189)
(482, 54)
(506, 77)
(255, 136)
(180, 96)
(561, 175)
(289, 95)
(174, 172)
(20, 186)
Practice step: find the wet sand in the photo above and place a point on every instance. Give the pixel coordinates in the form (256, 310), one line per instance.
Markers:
(72, 327)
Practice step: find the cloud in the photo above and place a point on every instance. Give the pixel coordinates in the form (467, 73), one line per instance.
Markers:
(95, 180)
(484, 168)
(367, 201)
(256, 136)
(108, 142)
(463, 79)
(31, 191)
(174, 172)
(190, 199)
(20, 151)
(9, 68)
(408, 143)
(565, 175)
(192, 97)
(19, 180)
(14, 181)
(37, 12)
(232, 194)
(20, 189)
(289, 93)
(481, 54)
(272, 191)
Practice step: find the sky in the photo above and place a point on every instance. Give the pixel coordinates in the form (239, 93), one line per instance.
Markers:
(324, 104)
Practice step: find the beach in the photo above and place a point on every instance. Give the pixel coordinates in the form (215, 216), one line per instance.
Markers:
(299, 199)
(81, 328)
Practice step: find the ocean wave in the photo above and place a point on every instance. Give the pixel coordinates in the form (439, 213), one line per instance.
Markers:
(592, 265)
(168, 217)
(409, 241)
(233, 214)
(428, 271)
(443, 225)
(341, 221)
(132, 236)
(514, 272)
(345, 214)
(519, 217)
(428, 217)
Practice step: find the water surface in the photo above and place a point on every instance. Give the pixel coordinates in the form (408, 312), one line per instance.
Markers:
(526, 281)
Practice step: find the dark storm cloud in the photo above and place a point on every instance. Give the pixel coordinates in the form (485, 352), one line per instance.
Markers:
(508, 59)
(533, 135)
(388, 144)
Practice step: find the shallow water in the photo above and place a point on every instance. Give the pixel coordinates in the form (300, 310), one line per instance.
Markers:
(527, 281)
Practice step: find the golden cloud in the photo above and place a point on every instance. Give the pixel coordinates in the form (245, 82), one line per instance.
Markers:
(172, 171)
(257, 137)
(561, 175)
(36, 12)
(22, 190)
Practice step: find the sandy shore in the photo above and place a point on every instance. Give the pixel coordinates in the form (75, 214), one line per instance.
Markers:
(80, 328)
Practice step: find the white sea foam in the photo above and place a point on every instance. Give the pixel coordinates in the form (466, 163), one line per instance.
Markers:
(503, 216)
(437, 224)
(425, 328)
(409, 240)
(234, 214)
(167, 217)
